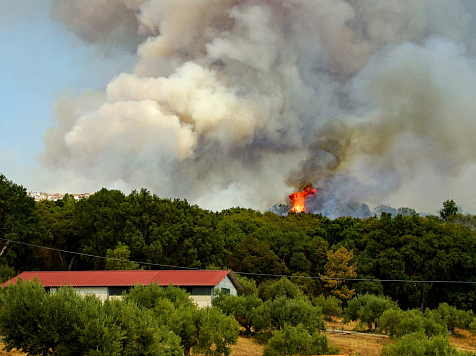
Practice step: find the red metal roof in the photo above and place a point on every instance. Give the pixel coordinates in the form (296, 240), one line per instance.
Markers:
(185, 278)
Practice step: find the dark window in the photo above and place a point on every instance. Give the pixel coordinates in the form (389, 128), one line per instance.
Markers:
(225, 291)
(117, 290)
(202, 291)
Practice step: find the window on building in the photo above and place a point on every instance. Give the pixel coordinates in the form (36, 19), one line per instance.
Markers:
(225, 291)
(117, 290)
(201, 290)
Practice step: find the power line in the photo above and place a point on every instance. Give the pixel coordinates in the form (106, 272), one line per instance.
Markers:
(96, 256)
(241, 273)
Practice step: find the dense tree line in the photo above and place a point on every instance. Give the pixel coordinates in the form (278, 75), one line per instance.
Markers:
(143, 227)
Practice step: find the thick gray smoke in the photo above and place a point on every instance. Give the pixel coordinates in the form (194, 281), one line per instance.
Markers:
(240, 102)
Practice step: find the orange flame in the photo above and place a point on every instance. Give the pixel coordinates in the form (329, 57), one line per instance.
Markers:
(298, 199)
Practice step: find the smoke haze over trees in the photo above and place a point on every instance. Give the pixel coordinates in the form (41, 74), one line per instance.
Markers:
(241, 102)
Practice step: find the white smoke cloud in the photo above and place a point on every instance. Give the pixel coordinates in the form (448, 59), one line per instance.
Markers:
(237, 102)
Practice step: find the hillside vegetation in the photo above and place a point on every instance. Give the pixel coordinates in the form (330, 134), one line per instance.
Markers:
(377, 271)
(143, 227)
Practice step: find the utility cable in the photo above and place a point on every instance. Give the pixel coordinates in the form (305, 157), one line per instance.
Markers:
(241, 273)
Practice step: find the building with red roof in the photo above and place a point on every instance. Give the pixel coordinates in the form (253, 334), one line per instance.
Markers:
(106, 284)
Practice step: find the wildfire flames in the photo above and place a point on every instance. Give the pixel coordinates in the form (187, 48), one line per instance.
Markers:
(298, 199)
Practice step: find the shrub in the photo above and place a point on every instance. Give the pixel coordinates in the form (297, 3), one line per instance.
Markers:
(241, 307)
(275, 314)
(419, 345)
(330, 305)
(65, 323)
(283, 288)
(368, 308)
(297, 340)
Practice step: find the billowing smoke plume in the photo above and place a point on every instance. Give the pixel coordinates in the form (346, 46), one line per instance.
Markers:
(239, 102)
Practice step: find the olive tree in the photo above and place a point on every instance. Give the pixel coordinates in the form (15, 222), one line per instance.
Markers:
(367, 308)
(65, 323)
(208, 330)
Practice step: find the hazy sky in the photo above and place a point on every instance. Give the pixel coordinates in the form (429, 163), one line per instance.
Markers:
(229, 103)
(39, 62)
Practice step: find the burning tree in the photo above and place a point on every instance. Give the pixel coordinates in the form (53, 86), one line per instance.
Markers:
(298, 199)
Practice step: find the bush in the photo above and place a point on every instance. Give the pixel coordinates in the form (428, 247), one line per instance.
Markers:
(368, 308)
(65, 323)
(6, 273)
(208, 330)
(283, 288)
(454, 317)
(275, 314)
(397, 322)
(419, 345)
(297, 340)
(241, 307)
(248, 286)
(330, 305)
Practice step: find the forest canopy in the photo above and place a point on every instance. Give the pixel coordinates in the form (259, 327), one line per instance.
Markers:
(156, 232)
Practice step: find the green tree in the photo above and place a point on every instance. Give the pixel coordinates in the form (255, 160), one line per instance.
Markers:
(18, 222)
(251, 255)
(248, 286)
(270, 290)
(217, 333)
(57, 229)
(142, 333)
(148, 296)
(418, 344)
(368, 309)
(101, 221)
(6, 273)
(39, 324)
(449, 210)
(396, 322)
(65, 323)
(330, 305)
(297, 340)
(210, 332)
(275, 314)
(118, 259)
(242, 307)
(454, 317)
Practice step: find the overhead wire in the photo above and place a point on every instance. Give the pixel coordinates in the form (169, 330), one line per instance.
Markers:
(241, 273)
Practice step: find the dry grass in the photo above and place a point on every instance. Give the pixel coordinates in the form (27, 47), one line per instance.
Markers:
(11, 353)
(353, 344)
(464, 340)
(247, 347)
(244, 347)
(365, 345)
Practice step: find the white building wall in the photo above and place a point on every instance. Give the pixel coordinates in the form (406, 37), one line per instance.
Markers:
(226, 283)
(202, 301)
(100, 292)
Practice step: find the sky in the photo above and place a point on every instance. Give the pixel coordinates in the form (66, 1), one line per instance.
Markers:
(39, 63)
(240, 103)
